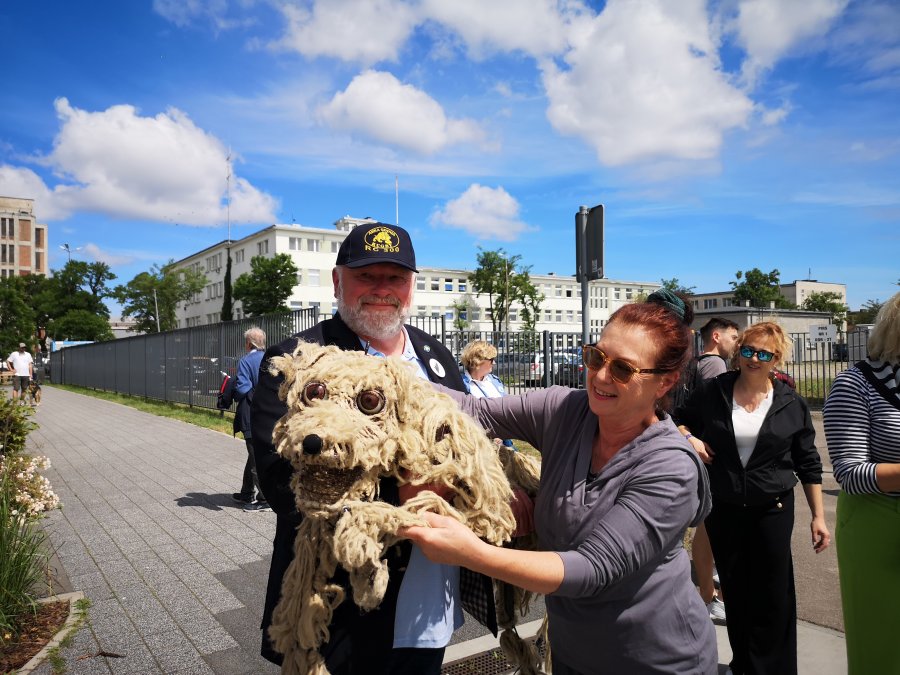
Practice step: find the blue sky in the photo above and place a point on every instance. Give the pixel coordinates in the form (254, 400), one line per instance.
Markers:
(719, 136)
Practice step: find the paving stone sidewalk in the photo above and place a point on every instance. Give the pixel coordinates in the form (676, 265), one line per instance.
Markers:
(175, 570)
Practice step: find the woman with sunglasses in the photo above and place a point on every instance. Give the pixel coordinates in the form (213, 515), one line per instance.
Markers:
(756, 436)
(619, 487)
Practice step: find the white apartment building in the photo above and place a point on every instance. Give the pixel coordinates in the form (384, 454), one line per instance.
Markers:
(314, 250)
(795, 292)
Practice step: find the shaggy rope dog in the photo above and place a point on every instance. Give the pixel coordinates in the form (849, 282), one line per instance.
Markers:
(352, 419)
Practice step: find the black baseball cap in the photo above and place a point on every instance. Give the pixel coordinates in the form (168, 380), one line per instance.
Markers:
(374, 243)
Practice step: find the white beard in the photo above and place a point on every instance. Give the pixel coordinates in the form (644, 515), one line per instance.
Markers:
(369, 323)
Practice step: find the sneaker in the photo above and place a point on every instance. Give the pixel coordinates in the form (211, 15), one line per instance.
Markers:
(242, 497)
(716, 610)
(257, 506)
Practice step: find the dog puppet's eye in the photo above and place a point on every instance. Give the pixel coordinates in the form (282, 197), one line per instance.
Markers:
(314, 391)
(370, 401)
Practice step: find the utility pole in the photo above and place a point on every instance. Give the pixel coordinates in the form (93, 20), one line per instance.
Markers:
(156, 311)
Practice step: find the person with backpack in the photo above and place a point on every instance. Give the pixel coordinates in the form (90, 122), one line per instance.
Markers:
(720, 337)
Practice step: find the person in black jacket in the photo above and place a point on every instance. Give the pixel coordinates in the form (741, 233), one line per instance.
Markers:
(756, 437)
(373, 283)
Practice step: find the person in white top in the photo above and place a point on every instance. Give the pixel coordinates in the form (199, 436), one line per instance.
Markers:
(22, 366)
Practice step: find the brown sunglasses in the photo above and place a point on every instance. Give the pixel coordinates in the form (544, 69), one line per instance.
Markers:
(621, 371)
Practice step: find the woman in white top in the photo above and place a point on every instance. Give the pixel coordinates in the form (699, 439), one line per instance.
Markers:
(756, 436)
(477, 359)
(862, 424)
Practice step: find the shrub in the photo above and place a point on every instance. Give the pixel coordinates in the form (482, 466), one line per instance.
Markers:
(25, 496)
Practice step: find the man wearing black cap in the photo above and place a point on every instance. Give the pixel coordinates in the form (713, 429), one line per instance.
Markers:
(374, 279)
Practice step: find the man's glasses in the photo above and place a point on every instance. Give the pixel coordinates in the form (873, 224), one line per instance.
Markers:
(747, 352)
(621, 371)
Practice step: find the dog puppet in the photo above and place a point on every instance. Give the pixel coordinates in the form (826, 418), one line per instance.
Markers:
(351, 420)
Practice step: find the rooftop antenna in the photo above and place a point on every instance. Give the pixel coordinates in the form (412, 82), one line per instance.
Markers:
(396, 200)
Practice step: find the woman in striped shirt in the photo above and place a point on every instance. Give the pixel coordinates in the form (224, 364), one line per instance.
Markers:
(862, 426)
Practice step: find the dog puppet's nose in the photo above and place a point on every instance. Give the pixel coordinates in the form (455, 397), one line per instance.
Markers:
(312, 445)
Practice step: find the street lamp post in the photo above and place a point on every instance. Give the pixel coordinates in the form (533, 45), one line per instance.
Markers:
(68, 249)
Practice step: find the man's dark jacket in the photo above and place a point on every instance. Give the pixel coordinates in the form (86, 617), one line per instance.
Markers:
(785, 447)
(371, 635)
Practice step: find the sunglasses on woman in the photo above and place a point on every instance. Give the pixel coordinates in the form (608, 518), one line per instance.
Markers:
(761, 354)
(621, 371)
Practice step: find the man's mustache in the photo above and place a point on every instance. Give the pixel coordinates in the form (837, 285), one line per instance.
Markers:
(379, 300)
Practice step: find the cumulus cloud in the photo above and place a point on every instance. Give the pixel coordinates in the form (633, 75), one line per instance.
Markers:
(377, 105)
(769, 29)
(489, 213)
(97, 254)
(25, 183)
(643, 82)
(365, 31)
(536, 27)
(152, 168)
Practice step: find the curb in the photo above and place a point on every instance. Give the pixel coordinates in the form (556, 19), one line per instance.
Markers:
(39, 658)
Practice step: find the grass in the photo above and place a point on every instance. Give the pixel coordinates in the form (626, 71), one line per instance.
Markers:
(201, 417)
(54, 657)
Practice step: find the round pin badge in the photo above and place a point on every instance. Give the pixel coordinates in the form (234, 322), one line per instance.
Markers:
(427, 348)
(437, 367)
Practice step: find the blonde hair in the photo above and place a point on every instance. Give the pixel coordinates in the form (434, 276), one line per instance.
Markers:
(475, 353)
(884, 340)
(767, 330)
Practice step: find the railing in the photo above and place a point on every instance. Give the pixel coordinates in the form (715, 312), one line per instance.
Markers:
(186, 365)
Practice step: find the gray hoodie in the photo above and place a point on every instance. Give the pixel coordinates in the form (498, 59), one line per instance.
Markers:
(626, 603)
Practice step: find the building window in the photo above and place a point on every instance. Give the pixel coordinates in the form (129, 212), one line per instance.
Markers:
(239, 256)
(420, 284)
(710, 303)
(296, 304)
(448, 285)
(294, 243)
(569, 292)
(513, 314)
(617, 293)
(313, 245)
(628, 294)
(435, 284)
(570, 316)
(559, 316)
(557, 291)
(313, 277)
(462, 286)
(262, 247)
(335, 246)
(37, 260)
(39, 238)
(299, 277)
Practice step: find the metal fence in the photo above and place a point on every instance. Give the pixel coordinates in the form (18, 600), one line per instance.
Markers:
(186, 365)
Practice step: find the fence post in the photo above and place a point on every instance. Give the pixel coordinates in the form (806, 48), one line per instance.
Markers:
(548, 364)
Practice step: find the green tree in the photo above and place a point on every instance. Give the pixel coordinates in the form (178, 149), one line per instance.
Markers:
(676, 286)
(530, 298)
(759, 288)
(267, 286)
(16, 316)
(462, 308)
(80, 324)
(866, 313)
(492, 277)
(163, 287)
(227, 309)
(827, 301)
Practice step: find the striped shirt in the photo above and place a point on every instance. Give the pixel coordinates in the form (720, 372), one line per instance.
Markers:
(862, 426)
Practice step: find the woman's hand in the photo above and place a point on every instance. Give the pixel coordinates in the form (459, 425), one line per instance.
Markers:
(702, 449)
(446, 540)
(821, 537)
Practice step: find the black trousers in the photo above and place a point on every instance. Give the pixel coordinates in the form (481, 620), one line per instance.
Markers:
(752, 549)
(250, 481)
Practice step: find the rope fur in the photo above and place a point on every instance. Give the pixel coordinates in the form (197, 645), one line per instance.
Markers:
(351, 420)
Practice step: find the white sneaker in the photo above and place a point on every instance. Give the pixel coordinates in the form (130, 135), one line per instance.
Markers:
(716, 610)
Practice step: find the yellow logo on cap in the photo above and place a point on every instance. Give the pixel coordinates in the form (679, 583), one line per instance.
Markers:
(382, 239)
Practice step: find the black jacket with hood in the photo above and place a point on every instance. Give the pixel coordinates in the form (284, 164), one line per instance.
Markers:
(785, 449)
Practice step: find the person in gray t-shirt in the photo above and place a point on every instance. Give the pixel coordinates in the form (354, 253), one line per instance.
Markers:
(720, 337)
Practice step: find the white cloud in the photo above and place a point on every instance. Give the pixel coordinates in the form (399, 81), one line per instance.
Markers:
(185, 12)
(488, 213)
(97, 254)
(536, 27)
(26, 184)
(770, 29)
(366, 31)
(644, 83)
(151, 168)
(377, 105)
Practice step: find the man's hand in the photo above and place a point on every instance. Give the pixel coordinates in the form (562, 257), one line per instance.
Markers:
(445, 540)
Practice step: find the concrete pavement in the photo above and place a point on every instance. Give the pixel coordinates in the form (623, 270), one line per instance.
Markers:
(176, 571)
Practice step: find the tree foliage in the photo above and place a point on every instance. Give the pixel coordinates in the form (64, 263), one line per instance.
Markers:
(675, 285)
(16, 316)
(462, 308)
(227, 309)
(162, 287)
(759, 288)
(504, 281)
(80, 324)
(267, 286)
(827, 301)
(866, 313)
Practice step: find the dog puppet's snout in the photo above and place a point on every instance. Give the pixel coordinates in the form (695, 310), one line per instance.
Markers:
(312, 445)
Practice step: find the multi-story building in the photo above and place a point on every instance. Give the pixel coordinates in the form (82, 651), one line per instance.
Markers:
(438, 290)
(23, 241)
(796, 293)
